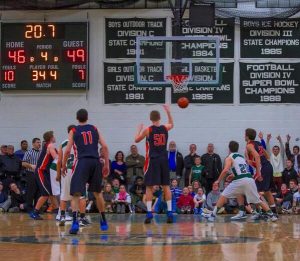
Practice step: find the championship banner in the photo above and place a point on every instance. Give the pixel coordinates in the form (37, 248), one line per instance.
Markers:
(119, 84)
(120, 36)
(222, 94)
(270, 38)
(269, 82)
(224, 28)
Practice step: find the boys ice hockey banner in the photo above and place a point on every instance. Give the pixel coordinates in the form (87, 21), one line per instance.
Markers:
(270, 38)
(119, 84)
(224, 28)
(222, 94)
(269, 82)
(120, 35)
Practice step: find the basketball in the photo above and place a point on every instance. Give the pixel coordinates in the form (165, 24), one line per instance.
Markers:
(183, 102)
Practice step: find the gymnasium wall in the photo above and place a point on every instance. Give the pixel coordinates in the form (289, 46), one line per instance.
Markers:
(25, 115)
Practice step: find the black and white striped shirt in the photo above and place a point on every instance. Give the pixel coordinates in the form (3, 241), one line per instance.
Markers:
(31, 156)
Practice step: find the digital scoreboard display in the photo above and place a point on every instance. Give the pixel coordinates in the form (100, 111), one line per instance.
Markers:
(44, 56)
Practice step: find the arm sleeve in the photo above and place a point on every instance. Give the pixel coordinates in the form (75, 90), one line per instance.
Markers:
(263, 143)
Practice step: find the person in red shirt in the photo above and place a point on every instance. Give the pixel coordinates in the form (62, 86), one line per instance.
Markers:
(185, 202)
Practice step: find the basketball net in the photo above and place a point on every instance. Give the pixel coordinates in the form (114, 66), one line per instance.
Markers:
(179, 82)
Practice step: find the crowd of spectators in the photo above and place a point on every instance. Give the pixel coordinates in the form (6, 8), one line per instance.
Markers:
(191, 180)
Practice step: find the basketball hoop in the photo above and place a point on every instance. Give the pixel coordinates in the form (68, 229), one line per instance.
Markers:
(179, 82)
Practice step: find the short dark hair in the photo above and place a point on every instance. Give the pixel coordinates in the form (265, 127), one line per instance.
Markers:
(250, 133)
(197, 157)
(293, 180)
(82, 115)
(296, 147)
(233, 146)
(34, 140)
(154, 116)
(48, 135)
(276, 146)
(70, 127)
(22, 141)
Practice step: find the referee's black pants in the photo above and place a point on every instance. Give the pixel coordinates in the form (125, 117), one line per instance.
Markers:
(32, 191)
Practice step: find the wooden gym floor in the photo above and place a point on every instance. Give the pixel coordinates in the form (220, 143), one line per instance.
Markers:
(190, 238)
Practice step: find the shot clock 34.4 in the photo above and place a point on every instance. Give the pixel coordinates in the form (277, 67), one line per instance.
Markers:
(44, 56)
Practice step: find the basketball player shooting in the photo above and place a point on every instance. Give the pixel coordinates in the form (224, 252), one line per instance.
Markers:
(156, 168)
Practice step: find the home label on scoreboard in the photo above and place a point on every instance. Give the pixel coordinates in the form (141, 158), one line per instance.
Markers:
(44, 56)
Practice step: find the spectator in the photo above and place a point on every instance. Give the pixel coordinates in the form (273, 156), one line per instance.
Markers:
(29, 162)
(122, 200)
(277, 160)
(18, 200)
(191, 190)
(196, 185)
(185, 202)
(10, 166)
(118, 168)
(296, 201)
(213, 197)
(293, 186)
(3, 150)
(115, 185)
(295, 157)
(137, 192)
(197, 172)
(24, 147)
(212, 162)
(289, 172)
(108, 196)
(176, 192)
(176, 164)
(135, 164)
(188, 163)
(5, 201)
(284, 199)
(199, 201)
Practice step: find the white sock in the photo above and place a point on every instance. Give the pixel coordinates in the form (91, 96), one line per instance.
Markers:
(215, 211)
(149, 206)
(169, 205)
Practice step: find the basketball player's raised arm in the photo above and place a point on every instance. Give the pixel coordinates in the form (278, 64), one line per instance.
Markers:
(67, 151)
(251, 151)
(105, 170)
(227, 166)
(170, 123)
(59, 164)
(140, 134)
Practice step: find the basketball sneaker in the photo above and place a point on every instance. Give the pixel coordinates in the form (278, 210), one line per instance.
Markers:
(103, 225)
(149, 217)
(170, 217)
(83, 222)
(74, 228)
(271, 217)
(62, 221)
(256, 215)
(36, 216)
(240, 216)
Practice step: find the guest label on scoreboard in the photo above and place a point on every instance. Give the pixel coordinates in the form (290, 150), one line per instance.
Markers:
(270, 38)
(121, 36)
(269, 83)
(44, 56)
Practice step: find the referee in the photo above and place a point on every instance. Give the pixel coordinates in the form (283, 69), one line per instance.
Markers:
(29, 162)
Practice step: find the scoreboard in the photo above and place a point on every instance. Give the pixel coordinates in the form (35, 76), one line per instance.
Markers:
(51, 56)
